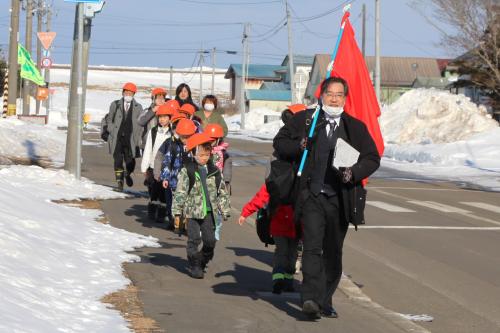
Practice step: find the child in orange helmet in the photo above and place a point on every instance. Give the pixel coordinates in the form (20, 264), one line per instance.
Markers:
(200, 194)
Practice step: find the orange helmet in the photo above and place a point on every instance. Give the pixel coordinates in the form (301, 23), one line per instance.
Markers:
(130, 87)
(185, 127)
(158, 91)
(294, 108)
(188, 109)
(196, 140)
(178, 116)
(214, 131)
(165, 110)
(173, 103)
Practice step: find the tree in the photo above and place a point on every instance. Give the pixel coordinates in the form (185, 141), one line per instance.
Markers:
(476, 35)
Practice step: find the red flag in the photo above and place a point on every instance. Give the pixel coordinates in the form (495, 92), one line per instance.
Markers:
(361, 101)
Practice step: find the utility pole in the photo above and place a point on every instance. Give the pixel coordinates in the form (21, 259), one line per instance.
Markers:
(47, 70)
(29, 33)
(87, 29)
(170, 92)
(243, 75)
(201, 76)
(363, 34)
(72, 161)
(377, 49)
(213, 71)
(13, 66)
(290, 54)
(39, 19)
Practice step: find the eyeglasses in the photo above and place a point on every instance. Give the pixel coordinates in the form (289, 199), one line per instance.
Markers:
(334, 95)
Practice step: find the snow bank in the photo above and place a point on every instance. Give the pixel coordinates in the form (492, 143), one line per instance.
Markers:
(254, 124)
(56, 261)
(433, 116)
(22, 140)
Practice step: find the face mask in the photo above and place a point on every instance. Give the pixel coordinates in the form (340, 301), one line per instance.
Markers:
(333, 111)
(209, 107)
(128, 99)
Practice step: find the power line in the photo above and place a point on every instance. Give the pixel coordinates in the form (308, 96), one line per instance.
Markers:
(328, 12)
(233, 3)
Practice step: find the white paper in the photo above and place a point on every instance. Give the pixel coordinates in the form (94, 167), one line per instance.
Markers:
(345, 155)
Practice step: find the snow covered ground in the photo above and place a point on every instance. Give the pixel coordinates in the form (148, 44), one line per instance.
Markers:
(56, 261)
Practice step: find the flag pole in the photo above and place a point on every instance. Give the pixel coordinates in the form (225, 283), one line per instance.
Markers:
(318, 107)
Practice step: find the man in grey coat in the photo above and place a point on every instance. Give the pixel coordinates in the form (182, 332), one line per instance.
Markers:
(124, 138)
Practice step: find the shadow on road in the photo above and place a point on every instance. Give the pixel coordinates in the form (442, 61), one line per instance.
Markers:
(140, 213)
(167, 260)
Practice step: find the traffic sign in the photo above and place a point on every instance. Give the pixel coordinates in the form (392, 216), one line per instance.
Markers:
(46, 62)
(46, 38)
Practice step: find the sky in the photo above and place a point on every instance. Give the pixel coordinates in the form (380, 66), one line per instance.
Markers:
(164, 33)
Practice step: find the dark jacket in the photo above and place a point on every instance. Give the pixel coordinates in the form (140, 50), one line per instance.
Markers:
(114, 123)
(352, 195)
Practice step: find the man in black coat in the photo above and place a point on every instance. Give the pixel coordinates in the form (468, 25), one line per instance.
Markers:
(328, 198)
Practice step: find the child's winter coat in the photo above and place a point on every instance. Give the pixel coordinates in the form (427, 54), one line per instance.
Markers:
(192, 203)
(282, 223)
(151, 157)
(173, 151)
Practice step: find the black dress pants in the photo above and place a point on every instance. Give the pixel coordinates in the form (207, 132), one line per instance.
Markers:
(324, 233)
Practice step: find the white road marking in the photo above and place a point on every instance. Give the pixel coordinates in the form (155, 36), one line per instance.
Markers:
(425, 227)
(465, 213)
(389, 207)
(482, 205)
(438, 206)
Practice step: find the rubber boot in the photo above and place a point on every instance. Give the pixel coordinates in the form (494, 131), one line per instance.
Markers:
(161, 211)
(278, 286)
(196, 271)
(119, 179)
(288, 283)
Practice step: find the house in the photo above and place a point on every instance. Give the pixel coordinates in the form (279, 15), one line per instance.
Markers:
(302, 67)
(257, 75)
(398, 74)
(276, 100)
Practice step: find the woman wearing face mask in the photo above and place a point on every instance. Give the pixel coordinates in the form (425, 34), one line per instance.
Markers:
(209, 114)
(183, 95)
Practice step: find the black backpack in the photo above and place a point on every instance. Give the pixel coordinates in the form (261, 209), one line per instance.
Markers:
(263, 226)
(192, 167)
(282, 183)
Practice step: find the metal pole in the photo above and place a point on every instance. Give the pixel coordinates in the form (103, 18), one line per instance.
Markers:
(291, 69)
(73, 140)
(47, 70)
(170, 91)
(377, 49)
(80, 94)
(213, 71)
(363, 40)
(243, 79)
(29, 33)
(39, 19)
(201, 77)
(13, 66)
(87, 30)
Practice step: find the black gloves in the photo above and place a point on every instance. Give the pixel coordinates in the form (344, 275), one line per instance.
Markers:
(346, 175)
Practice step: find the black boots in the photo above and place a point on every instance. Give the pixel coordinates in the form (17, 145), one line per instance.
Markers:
(152, 211)
(129, 180)
(162, 213)
(195, 270)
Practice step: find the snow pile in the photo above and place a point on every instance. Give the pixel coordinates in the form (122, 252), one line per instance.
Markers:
(255, 125)
(56, 261)
(433, 116)
(22, 140)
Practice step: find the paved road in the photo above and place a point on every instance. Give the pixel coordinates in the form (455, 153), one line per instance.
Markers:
(428, 248)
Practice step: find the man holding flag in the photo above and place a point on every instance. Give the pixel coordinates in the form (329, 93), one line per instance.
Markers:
(330, 197)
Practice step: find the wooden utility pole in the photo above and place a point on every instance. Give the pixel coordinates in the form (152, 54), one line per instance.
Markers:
(28, 40)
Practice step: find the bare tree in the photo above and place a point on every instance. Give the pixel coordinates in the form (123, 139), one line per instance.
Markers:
(476, 35)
